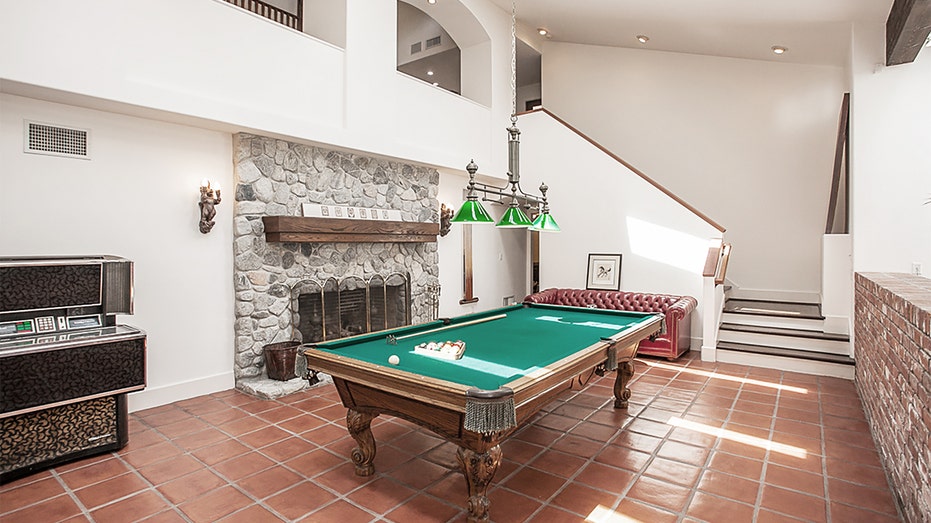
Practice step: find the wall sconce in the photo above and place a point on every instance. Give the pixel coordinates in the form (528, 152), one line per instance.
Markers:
(446, 216)
(209, 198)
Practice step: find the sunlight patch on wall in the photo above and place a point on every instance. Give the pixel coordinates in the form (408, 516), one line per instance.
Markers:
(666, 245)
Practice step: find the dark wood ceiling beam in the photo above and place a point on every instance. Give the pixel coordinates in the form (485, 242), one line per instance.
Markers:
(907, 30)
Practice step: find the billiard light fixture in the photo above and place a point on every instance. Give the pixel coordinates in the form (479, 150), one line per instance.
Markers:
(514, 217)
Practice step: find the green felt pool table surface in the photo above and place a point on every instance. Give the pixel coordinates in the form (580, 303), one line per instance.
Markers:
(498, 350)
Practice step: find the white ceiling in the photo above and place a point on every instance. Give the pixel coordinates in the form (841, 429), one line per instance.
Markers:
(814, 31)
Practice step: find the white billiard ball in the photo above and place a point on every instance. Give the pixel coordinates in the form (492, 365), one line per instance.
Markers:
(394, 359)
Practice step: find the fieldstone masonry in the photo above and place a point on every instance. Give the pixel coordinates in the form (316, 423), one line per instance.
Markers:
(893, 349)
(273, 178)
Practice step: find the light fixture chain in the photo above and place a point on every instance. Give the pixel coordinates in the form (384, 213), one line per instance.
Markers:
(513, 60)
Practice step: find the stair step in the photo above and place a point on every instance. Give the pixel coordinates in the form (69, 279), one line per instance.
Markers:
(808, 324)
(785, 359)
(786, 353)
(782, 309)
(782, 331)
(793, 339)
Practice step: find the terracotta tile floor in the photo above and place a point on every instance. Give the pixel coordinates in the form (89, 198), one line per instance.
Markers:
(700, 442)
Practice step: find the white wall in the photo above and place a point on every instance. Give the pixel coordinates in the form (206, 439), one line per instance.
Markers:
(326, 20)
(749, 143)
(225, 73)
(249, 73)
(499, 256)
(527, 93)
(137, 198)
(604, 208)
(416, 26)
(891, 158)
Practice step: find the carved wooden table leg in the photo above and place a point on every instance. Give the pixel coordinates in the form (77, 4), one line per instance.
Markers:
(479, 469)
(625, 371)
(360, 428)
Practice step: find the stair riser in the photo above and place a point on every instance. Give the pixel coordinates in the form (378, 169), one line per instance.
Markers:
(819, 368)
(786, 342)
(773, 321)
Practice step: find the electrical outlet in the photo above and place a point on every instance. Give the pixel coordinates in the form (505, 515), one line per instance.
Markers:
(916, 268)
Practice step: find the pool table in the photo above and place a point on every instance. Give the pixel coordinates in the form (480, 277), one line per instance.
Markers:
(516, 360)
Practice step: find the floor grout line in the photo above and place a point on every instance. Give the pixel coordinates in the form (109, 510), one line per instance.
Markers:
(665, 385)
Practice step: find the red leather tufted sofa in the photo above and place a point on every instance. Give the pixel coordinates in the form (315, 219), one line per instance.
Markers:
(677, 309)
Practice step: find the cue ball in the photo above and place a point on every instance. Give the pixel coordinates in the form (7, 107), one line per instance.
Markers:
(394, 359)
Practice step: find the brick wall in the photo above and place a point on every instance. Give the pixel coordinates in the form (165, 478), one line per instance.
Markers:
(892, 321)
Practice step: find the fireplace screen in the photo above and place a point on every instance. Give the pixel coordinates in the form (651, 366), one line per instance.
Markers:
(337, 309)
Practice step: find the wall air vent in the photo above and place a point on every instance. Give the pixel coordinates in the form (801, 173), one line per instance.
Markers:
(433, 42)
(56, 140)
(415, 48)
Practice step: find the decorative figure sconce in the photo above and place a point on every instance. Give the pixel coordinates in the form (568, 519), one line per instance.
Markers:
(209, 198)
(446, 216)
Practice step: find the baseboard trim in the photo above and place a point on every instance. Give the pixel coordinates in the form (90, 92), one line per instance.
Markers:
(165, 394)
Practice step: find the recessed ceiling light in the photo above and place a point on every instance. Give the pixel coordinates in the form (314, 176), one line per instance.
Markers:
(778, 49)
(429, 73)
(643, 39)
(431, 2)
(543, 31)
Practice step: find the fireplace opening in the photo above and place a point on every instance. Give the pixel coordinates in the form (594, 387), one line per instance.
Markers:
(341, 308)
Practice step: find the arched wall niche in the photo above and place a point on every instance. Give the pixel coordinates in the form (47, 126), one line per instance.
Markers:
(473, 41)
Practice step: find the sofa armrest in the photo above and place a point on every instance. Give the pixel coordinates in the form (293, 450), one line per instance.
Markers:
(548, 296)
(680, 309)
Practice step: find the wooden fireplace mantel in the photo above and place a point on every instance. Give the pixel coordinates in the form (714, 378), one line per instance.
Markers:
(341, 230)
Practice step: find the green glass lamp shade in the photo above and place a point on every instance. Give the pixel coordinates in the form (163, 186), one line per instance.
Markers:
(514, 217)
(472, 212)
(545, 223)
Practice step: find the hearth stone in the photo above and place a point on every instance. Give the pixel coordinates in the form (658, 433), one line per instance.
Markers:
(273, 389)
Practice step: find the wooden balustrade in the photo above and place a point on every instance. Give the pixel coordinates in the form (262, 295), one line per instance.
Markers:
(275, 14)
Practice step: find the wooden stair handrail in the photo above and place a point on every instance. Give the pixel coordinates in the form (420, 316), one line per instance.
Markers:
(722, 267)
(711, 261)
(840, 149)
(633, 169)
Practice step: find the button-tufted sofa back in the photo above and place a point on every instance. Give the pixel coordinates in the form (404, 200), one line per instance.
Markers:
(617, 300)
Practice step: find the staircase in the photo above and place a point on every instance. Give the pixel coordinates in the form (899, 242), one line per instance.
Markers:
(782, 335)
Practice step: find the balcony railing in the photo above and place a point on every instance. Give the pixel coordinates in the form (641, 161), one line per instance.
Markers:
(292, 20)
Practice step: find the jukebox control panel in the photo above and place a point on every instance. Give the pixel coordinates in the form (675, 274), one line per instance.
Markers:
(48, 324)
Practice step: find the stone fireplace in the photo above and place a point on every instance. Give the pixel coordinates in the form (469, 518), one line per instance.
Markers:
(285, 289)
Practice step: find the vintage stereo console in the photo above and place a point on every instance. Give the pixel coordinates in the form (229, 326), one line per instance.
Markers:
(65, 364)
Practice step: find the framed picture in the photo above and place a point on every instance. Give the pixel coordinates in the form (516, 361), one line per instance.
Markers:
(604, 272)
